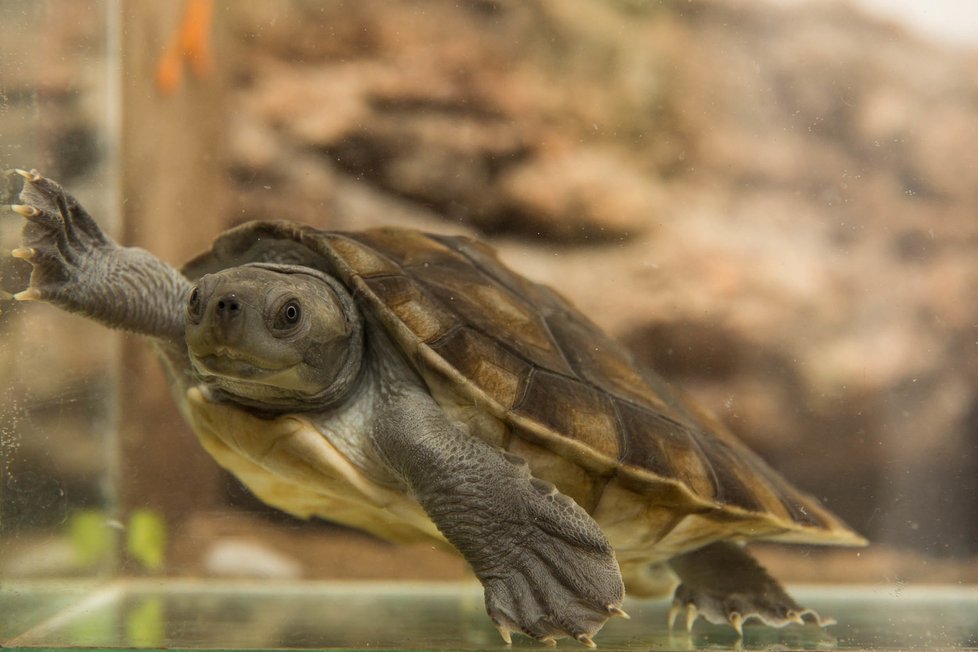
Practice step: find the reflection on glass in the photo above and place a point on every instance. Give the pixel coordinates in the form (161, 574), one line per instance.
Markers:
(57, 372)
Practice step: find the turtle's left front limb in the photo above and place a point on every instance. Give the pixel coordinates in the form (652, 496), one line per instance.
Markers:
(547, 569)
(724, 584)
(80, 269)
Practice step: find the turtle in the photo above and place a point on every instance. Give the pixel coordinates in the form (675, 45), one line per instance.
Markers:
(411, 385)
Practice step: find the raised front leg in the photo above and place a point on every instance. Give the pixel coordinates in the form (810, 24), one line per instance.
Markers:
(80, 269)
(724, 584)
(547, 569)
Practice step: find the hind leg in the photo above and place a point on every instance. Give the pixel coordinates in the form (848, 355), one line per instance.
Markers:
(724, 584)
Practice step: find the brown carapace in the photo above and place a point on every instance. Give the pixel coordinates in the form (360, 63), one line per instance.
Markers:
(659, 474)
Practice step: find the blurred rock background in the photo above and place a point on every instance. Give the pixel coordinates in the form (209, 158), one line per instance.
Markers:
(773, 205)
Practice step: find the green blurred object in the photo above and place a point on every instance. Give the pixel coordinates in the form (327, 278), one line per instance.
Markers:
(144, 624)
(91, 537)
(147, 538)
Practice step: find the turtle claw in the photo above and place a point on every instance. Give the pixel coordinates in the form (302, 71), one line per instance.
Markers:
(30, 294)
(24, 253)
(549, 641)
(25, 210)
(737, 622)
(692, 613)
(618, 612)
(504, 633)
(33, 175)
(586, 640)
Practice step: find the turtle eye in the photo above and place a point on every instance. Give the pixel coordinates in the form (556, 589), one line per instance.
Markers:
(289, 315)
(193, 305)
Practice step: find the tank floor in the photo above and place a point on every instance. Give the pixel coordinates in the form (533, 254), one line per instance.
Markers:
(206, 615)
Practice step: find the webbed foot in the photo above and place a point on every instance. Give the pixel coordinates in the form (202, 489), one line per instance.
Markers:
(725, 585)
(547, 568)
(738, 608)
(59, 240)
(556, 575)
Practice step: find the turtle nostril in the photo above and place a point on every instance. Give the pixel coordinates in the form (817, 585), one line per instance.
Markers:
(228, 306)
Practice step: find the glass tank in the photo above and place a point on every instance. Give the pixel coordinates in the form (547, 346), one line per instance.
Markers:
(770, 204)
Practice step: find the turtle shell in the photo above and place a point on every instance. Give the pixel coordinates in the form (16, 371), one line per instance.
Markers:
(521, 352)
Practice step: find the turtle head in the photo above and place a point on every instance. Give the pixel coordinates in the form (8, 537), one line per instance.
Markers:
(274, 337)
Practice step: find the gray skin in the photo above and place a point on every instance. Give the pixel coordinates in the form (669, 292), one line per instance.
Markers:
(275, 338)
